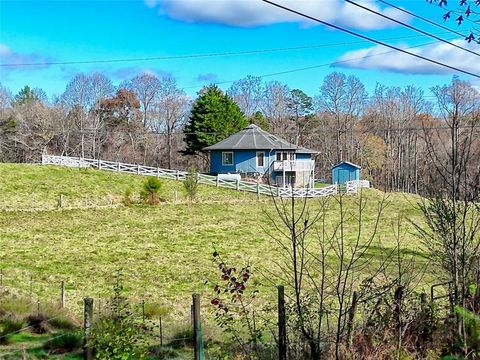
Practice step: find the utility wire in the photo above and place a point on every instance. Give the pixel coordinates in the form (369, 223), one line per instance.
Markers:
(422, 18)
(204, 55)
(371, 39)
(314, 66)
(411, 27)
(370, 130)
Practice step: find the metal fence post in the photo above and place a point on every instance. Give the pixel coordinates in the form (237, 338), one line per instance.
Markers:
(161, 330)
(62, 294)
(282, 324)
(87, 324)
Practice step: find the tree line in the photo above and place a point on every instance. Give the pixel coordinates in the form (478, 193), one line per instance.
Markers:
(151, 120)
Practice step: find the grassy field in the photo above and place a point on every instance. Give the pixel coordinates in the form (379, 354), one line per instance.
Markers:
(164, 251)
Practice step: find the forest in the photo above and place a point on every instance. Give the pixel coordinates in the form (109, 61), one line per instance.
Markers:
(150, 120)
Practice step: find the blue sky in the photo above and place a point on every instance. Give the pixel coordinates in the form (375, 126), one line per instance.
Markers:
(57, 31)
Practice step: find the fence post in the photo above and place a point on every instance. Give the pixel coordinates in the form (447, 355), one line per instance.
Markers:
(99, 164)
(60, 201)
(161, 330)
(238, 184)
(197, 328)
(38, 307)
(351, 318)
(87, 323)
(31, 288)
(282, 324)
(258, 191)
(216, 181)
(398, 298)
(423, 300)
(62, 294)
(138, 169)
(177, 175)
(118, 166)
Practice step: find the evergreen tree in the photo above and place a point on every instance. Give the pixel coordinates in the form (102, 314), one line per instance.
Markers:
(214, 117)
(27, 94)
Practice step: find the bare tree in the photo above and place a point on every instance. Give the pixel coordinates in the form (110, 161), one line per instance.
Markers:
(452, 212)
(344, 98)
(146, 87)
(247, 93)
(5, 98)
(323, 265)
(276, 97)
(170, 107)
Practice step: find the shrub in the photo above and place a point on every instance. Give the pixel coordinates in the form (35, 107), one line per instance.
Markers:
(127, 197)
(9, 326)
(182, 337)
(15, 305)
(64, 342)
(150, 191)
(38, 323)
(62, 322)
(118, 335)
(191, 184)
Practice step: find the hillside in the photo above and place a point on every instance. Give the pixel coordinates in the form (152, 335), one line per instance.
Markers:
(164, 251)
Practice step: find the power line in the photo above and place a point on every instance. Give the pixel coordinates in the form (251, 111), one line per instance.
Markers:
(313, 66)
(422, 18)
(411, 27)
(372, 130)
(204, 55)
(371, 39)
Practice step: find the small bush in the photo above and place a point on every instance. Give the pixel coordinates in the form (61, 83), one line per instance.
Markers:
(155, 310)
(127, 197)
(8, 327)
(183, 337)
(191, 184)
(15, 305)
(150, 191)
(64, 343)
(118, 335)
(62, 322)
(38, 323)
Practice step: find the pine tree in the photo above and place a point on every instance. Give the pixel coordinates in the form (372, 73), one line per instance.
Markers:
(214, 117)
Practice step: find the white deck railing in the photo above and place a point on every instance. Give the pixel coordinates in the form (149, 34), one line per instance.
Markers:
(253, 187)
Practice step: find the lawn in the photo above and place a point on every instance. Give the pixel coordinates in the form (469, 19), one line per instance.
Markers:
(164, 252)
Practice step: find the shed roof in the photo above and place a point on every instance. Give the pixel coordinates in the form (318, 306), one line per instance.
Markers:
(347, 163)
(254, 138)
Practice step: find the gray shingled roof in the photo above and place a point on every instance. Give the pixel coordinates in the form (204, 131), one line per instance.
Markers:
(254, 138)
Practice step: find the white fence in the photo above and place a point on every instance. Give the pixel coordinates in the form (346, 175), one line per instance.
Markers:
(253, 187)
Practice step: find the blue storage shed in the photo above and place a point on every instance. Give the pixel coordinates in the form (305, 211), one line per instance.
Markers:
(345, 171)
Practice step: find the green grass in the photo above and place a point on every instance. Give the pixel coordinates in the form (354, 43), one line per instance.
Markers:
(164, 251)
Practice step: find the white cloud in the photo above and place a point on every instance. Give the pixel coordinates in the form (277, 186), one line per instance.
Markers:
(15, 59)
(382, 58)
(248, 13)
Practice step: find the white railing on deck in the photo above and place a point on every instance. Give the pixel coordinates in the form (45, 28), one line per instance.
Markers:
(253, 187)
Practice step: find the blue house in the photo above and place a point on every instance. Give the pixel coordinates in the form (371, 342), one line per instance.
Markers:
(345, 171)
(255, 153)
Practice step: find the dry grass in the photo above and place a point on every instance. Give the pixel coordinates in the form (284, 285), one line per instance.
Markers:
(164, 251)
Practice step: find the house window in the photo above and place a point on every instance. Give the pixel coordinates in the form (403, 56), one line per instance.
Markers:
(284, 155)
(260, 159)
(227, 158)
